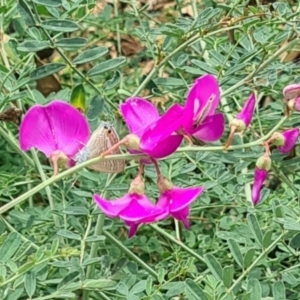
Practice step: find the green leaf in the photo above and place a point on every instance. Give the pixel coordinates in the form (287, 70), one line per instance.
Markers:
(205, 67)
(295, 241)
(59, 25)
(279, 291)
(33, 46)
(95, 238)
(15, 295)
(248, 258)
(161, 275)
(46, 70)
(78, 98)
(68, 279)
(54, 246)
(25, 12)
(214, 266)
(149, 285)
(95, 108)
(169, 81)
(236, 252)
(91, 261)
(90, 54)
(267, 239)
(106, 66)
(30, 283)
(193, 291)
(98, 283)
(52, 3)
(76, 211)
(228, 273)
(255, 228)
(113, 82)
(138, 287)
(69, 235)
(71, 43)
(9, 246)
(255, 288)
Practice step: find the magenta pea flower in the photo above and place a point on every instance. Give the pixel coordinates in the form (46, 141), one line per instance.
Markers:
(133, 209)
(56, 129)
(285, 140)
(139, 115)
(291, 94)
(263, 165)
(199, 117)
(175, 201)
(242, 120)
(196, 119)
(291, 91)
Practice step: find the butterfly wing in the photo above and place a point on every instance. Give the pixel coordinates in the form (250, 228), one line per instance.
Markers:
(103, 138)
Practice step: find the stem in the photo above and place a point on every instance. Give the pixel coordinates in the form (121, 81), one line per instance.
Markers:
(66, 59)
(260, 67)
(76, 168)
(95, 245)
(264, 251)
(115, 241)
(15, 146)
(47, 188)
(179, 243)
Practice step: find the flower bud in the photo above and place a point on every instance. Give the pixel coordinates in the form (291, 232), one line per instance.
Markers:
(246, 113)
(137, 186)
(294, 104)
(133, 142)
(264, 163)
(164, 184)
(291, 91)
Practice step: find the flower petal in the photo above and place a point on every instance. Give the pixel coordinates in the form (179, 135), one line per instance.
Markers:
(182, 215)
(211, 129)
(259, 178)
(56, 126)
(113, 208)
(181, 198)
(133, 227)
(291, 91)
(140, 208)
(247, 111)
(137, 114)
(290, 139)
(197, 99)
(157, 140)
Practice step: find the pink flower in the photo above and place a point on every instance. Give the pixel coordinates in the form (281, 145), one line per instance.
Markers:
(133, 209)
(294, 104)
(139, 115)
(242, 120)
(259, 178)
(175, 201)
(197, 119)
(247, 111)
(285, 140)
(263, 165)
(291, 91)
(56, 129)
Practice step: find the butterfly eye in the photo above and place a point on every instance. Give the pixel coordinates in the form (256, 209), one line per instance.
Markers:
(105, 127)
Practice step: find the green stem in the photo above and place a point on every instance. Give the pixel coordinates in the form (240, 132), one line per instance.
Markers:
(115, 241)
(260, 67)
(255, 262)
(47, 188)
(15, 146)
(75, 169)
(174, 52)
(179, 243)
(66, 59)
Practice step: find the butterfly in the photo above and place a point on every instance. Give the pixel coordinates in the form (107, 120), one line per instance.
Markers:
(103, 138)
